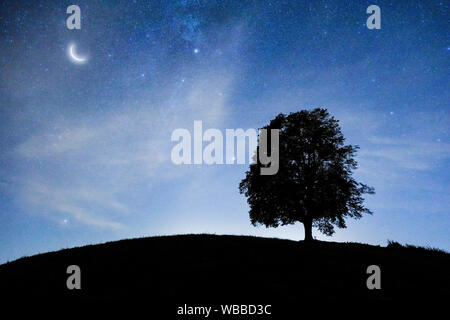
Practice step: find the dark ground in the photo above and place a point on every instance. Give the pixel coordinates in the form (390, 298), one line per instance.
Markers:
(162, 273)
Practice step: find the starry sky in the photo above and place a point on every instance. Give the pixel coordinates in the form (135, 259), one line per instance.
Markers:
(85, 148)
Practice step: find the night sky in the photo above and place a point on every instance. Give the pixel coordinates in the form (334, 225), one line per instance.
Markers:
(85, 148)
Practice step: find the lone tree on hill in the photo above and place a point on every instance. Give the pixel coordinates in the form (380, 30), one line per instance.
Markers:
(314, 183)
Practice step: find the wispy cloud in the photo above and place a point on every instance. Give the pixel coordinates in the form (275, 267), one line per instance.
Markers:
(58, 142)
(87, 168)
(407, 154)
(62, 203)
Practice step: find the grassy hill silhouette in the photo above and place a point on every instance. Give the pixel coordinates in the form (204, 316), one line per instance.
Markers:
(229, 269)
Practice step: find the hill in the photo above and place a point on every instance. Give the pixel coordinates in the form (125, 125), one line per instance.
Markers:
(172, 271)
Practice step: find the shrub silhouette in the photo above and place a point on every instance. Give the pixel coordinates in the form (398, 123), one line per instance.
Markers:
(314, 183)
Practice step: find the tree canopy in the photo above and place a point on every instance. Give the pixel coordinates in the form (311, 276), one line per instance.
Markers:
(314, 183)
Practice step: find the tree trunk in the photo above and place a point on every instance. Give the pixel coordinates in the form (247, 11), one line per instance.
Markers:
(308, 229)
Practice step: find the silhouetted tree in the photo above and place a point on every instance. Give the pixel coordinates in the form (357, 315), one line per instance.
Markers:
(314, 183)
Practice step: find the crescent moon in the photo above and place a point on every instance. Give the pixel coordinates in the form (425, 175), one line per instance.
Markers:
(74, 56)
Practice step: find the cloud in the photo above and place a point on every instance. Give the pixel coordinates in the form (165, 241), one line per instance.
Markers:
(50, 144)
(58, 203)
(407, 154)
(103, 163)
(82, 167)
